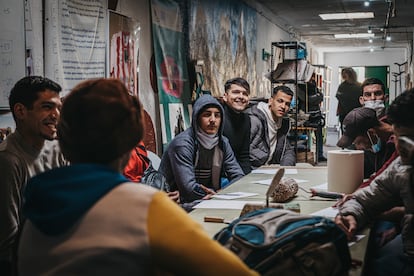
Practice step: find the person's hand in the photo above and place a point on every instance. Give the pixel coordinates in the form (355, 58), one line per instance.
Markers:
(209, 192)
(174, 196)
(348, 224)
(387, 236)
(344, 199)
(394, 214)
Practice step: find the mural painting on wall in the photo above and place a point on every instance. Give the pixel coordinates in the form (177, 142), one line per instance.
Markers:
(170, 63)
(223, 35)
(123, 58)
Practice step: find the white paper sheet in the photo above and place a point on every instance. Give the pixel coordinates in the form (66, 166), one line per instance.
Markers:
(224, 204)
(273, 171)
(235, 195)
(356, 239)
(329, 212)
(268, 181)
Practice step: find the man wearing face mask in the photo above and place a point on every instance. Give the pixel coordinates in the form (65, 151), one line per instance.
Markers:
(363, 131)
(373, 95)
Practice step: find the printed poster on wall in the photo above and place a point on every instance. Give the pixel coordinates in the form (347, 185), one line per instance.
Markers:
(75, 41)
(123, 53)
(171, 68)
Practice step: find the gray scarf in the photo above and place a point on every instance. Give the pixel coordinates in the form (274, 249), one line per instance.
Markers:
(208, 141)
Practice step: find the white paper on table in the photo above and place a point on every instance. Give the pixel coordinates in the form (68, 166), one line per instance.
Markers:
(323, 187)
(356, 239)
(234, 195)
(268, 181)
(265, 171)
(291, 171)
(273, 171)
(329, 212)
(224, 204)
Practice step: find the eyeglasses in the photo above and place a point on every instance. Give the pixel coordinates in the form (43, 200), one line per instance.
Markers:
(377, 93)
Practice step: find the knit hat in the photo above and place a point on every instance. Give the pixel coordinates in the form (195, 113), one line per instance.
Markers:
(356, 123)
(99, 122)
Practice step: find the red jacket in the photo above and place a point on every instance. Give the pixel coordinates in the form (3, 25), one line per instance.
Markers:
(137, 163)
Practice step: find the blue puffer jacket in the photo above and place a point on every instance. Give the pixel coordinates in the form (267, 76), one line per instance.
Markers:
(182, 155)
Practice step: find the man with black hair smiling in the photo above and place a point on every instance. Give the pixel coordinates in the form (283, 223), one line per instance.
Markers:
(35, 104)
(236, 122)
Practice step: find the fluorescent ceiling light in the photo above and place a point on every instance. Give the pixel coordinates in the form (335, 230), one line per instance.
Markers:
(346, 15)
(359, 35)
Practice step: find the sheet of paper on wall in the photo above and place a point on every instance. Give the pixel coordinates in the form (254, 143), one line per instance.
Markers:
(273, 171)
(234, 195)
(224, 204)
(268, 181)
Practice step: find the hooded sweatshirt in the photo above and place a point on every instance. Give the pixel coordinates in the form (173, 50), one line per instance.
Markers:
(182, 156)
(86, 219)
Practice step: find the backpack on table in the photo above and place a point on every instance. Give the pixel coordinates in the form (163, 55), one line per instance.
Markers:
(282, 242)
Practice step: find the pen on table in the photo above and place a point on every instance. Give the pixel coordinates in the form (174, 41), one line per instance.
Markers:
(325, 194)
(215, 219)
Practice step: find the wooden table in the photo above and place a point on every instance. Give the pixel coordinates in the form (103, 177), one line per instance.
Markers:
(314, 176)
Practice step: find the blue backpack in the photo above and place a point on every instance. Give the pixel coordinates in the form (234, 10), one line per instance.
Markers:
(282, 242)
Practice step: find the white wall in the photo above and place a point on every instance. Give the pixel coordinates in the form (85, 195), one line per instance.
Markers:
(377, 58)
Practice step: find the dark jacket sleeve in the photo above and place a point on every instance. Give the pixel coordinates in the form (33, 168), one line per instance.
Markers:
(177, 165)
(244, 153)
(231, 167)
(259, 145)
(285, 153)
(289, 156)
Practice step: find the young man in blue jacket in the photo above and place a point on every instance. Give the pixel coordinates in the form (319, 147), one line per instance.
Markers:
(197, 159)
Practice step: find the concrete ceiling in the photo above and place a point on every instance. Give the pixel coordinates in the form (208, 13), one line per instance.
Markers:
(301, 19)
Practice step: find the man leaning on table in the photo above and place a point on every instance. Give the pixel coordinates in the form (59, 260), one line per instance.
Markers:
(394, 186)
(198, 158)
(269, 130)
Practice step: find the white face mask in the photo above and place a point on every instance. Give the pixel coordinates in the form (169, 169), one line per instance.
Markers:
(378, 105)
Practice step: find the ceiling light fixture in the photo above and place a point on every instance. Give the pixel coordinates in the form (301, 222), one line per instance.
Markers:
(370, 40)
(388, 38)
(358, 35)
(346, 15)
(369, 30)
(371, 50)
(366, 3)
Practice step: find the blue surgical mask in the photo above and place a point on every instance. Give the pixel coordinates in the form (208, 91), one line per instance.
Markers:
(377, 146)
